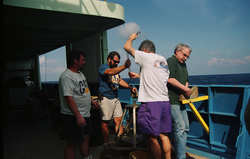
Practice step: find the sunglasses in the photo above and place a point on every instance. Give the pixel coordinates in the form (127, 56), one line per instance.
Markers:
(116, 61)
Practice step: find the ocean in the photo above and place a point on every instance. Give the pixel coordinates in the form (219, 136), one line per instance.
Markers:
(224, 79)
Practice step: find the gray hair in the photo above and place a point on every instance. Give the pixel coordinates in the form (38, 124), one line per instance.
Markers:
(181, 46)
(148, 45)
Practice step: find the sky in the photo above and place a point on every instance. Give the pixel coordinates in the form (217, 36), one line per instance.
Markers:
(52, 64)
(218, 32)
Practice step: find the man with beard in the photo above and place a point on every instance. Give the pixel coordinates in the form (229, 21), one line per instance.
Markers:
(76, 102)
(109, 81)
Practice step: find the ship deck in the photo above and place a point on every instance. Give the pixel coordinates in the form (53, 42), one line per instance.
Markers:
(39, 138)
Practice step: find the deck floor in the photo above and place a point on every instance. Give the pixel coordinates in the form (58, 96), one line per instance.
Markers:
(39, 138)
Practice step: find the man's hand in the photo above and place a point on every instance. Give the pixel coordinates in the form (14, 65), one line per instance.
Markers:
(187, 91)
(73, 108)
(81, 121)
(133, 36)
(127, 63)
(133, 89)
(96, 104)
(133, 75)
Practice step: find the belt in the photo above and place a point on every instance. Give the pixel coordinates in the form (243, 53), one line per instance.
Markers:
(100, 97)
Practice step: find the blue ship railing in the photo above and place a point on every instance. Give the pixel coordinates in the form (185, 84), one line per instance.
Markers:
(224, 114)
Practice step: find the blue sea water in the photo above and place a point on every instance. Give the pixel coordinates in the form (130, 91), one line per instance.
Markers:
(225, 79)
(228, 79)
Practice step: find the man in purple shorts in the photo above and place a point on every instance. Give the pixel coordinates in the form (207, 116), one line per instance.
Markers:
(154, 115)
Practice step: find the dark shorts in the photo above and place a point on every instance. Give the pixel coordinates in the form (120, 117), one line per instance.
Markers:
(154, 118)
(73, 131)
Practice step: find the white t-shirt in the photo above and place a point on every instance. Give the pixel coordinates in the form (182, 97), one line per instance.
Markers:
(74, 85)
(153, 77)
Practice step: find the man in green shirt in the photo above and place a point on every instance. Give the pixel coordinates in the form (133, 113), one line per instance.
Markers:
(177, 85)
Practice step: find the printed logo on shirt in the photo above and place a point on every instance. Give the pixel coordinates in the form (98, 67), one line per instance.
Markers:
(113, 82)
(83, 87)
(161, 65)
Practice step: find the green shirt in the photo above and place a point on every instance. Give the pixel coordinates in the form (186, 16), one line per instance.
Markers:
(179, 72)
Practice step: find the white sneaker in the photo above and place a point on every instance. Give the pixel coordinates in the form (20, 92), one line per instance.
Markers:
(89, 157)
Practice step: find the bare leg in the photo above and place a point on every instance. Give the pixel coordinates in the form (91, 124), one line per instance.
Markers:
(154, 146)
(166, 145)
(84, 146)
(117, 121)
(69, 152)
(105, 131)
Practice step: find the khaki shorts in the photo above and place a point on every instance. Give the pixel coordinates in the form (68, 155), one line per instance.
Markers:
(110, 108)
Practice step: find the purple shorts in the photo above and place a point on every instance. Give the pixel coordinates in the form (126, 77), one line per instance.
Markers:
(154, 118)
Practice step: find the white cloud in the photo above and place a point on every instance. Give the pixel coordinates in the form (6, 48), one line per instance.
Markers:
(43, 69)
(213, 53)
(230, 62)
(42, 60)
(128, 28)
(247, 58)
(214, 61)
(49, 70)
(60, 69)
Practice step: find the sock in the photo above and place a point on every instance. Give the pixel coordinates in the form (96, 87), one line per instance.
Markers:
(89, 157)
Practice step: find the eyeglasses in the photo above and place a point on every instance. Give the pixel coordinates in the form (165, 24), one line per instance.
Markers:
(185, 55)
(116, 61)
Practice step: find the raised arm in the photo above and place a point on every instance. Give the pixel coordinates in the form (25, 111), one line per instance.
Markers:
(128, 45)
(116, 70)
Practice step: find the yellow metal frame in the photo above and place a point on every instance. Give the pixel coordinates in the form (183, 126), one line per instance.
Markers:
(189, 102)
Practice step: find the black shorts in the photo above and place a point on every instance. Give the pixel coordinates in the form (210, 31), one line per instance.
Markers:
(74, 132)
